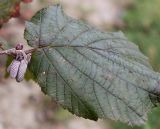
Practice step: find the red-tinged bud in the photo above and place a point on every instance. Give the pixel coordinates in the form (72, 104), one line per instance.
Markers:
(15, 12)
(27, 1)
(19, 46)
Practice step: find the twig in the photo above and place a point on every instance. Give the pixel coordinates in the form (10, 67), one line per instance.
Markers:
(31, 50)
(9, 53)
(6, 53)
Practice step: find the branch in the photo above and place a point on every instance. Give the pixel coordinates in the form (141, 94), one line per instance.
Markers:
(10, 52)
(31, 50)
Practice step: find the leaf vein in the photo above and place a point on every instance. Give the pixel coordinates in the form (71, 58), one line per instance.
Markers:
(138, 114)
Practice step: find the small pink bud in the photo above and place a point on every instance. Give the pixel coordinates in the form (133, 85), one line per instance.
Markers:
(19, 46)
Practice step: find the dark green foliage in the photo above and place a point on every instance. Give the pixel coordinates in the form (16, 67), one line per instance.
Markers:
(93, 74)
(8, 9)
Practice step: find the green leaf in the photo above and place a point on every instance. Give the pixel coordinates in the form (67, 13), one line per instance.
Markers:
(4, 44)
(8, 8)
(93, 74)
(4, 60)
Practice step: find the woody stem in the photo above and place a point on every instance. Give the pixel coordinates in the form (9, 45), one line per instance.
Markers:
(6, 52)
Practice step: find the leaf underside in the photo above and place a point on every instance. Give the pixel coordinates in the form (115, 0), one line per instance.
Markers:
(91, 73)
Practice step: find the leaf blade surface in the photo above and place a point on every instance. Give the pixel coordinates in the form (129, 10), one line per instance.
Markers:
(93, 74)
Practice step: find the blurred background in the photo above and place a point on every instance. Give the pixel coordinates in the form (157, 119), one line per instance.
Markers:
(23, 106)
